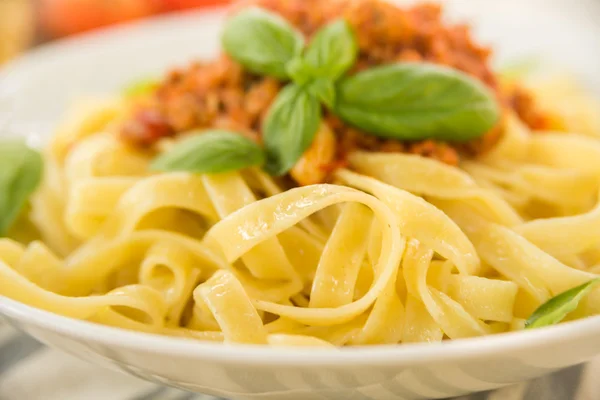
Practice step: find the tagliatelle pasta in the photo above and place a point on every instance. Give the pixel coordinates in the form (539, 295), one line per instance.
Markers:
(397, 241)
(210, 257)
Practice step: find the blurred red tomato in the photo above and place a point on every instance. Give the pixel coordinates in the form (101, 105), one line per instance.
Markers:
(66, 17)
(186, 4)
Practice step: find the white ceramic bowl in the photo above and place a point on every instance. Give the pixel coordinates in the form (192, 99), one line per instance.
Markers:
(34, 92)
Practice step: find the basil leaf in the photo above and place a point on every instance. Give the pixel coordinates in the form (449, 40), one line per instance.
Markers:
(333, 50)
(262, 41)
(414, 101)
(290, 127)
(20, 174)
(210, 152)
(556, 309)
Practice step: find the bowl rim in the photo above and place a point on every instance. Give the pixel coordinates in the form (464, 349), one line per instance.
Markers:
(260, 355)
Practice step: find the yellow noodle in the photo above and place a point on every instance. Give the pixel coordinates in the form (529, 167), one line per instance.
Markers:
(401, 249)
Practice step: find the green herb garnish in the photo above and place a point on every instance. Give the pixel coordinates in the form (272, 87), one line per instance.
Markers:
(211, 152)
(520, 68)
(290, 128)
(20, 175)
(332, 51)
(262, 41)
(414, 101)
(556, 309)
(266, 44)
(140, 88)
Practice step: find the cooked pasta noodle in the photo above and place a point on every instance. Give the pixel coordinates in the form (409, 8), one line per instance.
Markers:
(210, 257)
(396, 248)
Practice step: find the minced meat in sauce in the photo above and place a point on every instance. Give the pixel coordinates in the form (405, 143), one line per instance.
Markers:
(221, 94)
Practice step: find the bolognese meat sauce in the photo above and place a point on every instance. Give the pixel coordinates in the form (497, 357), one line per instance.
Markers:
(221, 94)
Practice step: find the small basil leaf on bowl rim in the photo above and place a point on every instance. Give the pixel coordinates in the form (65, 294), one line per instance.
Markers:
(262, 41)
(557, 308)
(20, 174)
(290, 127)
(415, 101)
(333, 50)
(141, 87)
(519, 69)
(210, 152)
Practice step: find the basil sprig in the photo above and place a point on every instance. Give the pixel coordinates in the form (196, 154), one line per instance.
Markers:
(413, 101)
(210, 152)
(556, 309)
(20, 174)
(266, 44)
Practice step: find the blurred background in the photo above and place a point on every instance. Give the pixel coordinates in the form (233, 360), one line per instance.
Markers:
(562, 32)
(25, 23)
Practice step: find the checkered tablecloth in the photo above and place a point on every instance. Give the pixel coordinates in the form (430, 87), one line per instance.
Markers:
(31, 371)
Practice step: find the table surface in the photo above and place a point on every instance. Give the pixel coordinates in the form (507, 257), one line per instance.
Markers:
(31, 371)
